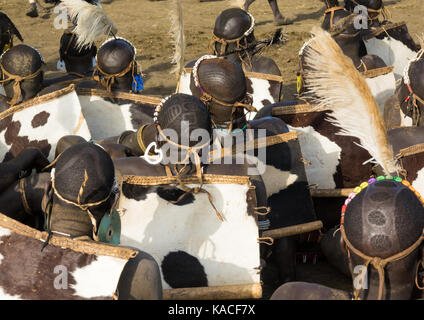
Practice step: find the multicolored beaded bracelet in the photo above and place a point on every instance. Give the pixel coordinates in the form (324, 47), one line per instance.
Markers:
(363, 185)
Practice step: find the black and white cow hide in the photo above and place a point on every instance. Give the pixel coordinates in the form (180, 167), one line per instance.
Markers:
(41, 122)
(192, 246)
(263, 89)
(106, 118)
(58, 272)
(394, 50)
(283, 172)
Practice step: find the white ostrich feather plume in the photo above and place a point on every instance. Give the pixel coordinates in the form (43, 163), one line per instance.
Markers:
(91, 21)
(333, 79)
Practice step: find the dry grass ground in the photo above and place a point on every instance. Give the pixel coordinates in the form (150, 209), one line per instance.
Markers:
(146, 24)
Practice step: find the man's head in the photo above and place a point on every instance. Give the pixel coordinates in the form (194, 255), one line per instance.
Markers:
(84, 187)
(220, 83)
(76, 60)
(116, 65)
(22, 75)
(383, 228)
(338, 17)
(233, 32)
(183, 121)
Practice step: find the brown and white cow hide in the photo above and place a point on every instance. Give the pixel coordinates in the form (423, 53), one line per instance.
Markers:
(382, 84)
(408, 146)
(106, 118)
(393, 52)
(414, 166)
(41, 122)
(263, 89)
(58, 272)
(192, 246)
(334, 161)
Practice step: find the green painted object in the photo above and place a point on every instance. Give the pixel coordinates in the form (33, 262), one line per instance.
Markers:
(110, 228)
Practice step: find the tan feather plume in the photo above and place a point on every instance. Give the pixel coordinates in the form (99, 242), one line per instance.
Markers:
(238, 3)
(421, 40)
(91, 21)
(178, 40)
(339, 87)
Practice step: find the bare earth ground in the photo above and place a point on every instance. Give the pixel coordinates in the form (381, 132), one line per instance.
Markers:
(146, 24)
